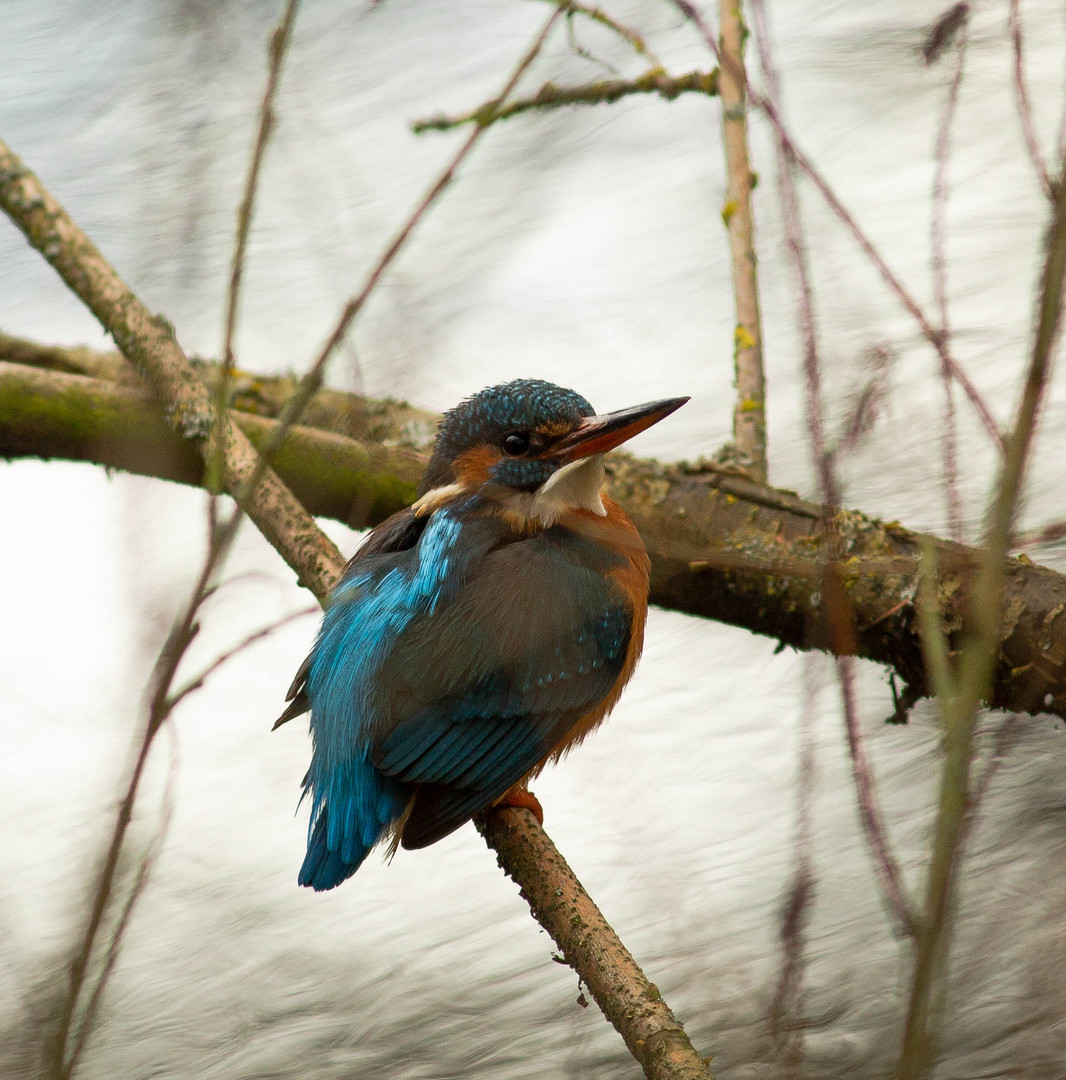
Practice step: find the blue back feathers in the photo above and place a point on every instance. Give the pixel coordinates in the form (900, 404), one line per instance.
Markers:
(456, 653)
(443, 673)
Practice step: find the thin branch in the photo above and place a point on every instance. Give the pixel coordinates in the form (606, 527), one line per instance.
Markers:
(590, 946)
(749, 411)
(1021, 98)
(787, 1003)
(279, 44)
(895, 285)
(949, 439)
(599, 92)
(834, 598)
(198, 681)
(598, 15)
(978, 656)
(580, 50)
(890, 878)
(114, 945)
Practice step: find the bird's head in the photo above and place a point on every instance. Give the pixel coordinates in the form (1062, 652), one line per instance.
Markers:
(531, 446)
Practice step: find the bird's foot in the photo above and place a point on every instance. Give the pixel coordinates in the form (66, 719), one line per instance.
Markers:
(524, 800)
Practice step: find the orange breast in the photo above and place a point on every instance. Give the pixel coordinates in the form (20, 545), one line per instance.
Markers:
(618, 533)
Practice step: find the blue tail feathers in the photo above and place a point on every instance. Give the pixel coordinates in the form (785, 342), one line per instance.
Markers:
(350, 814)
(324, 869)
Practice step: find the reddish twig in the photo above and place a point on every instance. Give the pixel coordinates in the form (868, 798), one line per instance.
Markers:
(834, 597)
(796, 911)
(1021, 98)
(949, 441)
(895, 285)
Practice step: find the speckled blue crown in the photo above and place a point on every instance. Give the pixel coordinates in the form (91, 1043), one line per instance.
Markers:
(522, 405)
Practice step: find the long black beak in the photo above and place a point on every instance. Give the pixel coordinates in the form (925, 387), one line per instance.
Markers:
(598, 434)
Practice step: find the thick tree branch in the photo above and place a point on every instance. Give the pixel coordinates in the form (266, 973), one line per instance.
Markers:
(722, 546)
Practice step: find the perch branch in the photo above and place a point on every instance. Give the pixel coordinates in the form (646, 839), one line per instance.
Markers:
(722, 546)
(588, 944)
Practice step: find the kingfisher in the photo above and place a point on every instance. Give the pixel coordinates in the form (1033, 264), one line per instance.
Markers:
(476, 635)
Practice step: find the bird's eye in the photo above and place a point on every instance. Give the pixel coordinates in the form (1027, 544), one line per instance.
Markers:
(516, 443)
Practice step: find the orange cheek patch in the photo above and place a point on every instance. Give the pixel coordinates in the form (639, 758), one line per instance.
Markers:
(472, 467)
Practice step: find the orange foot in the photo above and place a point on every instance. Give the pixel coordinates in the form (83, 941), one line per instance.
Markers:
(525, 800)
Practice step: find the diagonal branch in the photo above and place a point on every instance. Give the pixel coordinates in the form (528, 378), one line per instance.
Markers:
(599, 92)
(149, 343)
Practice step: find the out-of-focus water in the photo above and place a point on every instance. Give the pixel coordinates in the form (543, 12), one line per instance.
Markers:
(583, 247)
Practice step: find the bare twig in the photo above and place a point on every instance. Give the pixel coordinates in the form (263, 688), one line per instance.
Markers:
(949, 440)
(787, 1004)
(599, 92)
(147, 865)
(279, 43)
(834, 599)
(749, 411)
(973, 676)
(1021, 97)
(895, 285)
(888, 872)
(198, 681)
(598, 15)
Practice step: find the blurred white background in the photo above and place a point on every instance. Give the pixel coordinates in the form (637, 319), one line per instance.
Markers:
(585, 247)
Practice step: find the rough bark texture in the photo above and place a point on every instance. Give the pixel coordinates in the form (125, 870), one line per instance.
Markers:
(49, 414)
(589, 945)
(722, 546)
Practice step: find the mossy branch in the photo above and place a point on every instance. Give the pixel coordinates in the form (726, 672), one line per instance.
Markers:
(600, 92)
(722, 546)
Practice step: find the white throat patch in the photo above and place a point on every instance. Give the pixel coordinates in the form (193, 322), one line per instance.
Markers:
(573, 487)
